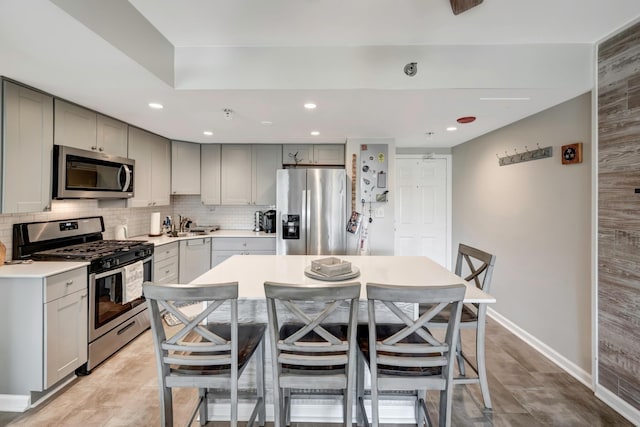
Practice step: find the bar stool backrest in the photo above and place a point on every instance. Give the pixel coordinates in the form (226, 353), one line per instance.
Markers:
(177, 350)
(328, 346)
(413, 345)
(475, 266)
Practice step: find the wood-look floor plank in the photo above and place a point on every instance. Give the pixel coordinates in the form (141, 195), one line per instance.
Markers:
(526, 390)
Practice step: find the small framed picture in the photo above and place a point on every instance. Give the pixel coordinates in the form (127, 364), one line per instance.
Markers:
(354, 222)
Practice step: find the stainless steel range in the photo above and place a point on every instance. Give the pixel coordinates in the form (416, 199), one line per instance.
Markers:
(117, 310)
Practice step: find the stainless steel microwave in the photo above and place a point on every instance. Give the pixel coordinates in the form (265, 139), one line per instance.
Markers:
(82, 174)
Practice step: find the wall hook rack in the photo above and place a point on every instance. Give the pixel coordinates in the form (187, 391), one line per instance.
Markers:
(537, 154)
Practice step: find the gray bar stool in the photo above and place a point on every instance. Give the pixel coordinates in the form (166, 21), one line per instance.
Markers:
(405, 356)
(476, 267)
(201, 354)
(309, 354)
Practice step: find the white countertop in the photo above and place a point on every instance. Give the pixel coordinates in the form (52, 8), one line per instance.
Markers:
(163, 240)
(38, 269)
(251, 271)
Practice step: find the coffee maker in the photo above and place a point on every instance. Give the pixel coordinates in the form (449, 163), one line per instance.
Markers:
(269, 221)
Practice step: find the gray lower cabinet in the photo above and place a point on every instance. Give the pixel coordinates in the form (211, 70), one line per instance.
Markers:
(44, 338)
(195, 258)
(225, 247)
(166, 263)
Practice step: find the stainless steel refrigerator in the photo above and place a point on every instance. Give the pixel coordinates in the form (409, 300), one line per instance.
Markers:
(311, 212)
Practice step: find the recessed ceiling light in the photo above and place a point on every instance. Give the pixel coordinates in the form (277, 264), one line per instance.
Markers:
(309, 105)
(452, 129)
(208, 132)
(266, 123)
(156, 105)
(315, 133)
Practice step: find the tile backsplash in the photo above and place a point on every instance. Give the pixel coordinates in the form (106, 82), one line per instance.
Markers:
(136, 219)
(238, 217)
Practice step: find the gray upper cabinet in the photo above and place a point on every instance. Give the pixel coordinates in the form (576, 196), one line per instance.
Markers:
(210, 174)
(266, 161)
(235, 175)
(328, 154)
(248, 174)
(27, 143)
(152, 171)
(112, 136)
(185, 168)
(82, 128)
(313, 154)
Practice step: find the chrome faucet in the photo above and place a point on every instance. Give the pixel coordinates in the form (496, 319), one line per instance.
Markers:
(185, 222)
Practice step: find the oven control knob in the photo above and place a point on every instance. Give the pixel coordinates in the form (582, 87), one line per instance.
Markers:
(106, 263)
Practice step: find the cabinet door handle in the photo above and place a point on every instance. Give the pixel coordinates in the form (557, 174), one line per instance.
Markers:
(94, 148)
(101, 149)
(69, 283)
(167, 272)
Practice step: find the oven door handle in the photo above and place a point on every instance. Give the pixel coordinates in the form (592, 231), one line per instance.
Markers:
(109, 273)
(119, 270)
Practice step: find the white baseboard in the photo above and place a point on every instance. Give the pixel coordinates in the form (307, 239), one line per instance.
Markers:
(14, 402)
(20, 403)
(618, 405)
(571, 368)
(320, 411)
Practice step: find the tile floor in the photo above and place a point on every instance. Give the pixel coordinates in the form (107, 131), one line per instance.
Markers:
(526, 388)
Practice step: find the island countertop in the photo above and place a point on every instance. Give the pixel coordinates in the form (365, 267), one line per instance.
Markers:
(251, 271)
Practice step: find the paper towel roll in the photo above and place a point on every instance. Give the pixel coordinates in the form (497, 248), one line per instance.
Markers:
(154, 225)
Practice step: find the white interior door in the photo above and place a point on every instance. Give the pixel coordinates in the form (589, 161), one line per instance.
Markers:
(423, 209)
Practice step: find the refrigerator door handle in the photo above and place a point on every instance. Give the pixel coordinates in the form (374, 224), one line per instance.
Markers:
(306, 223)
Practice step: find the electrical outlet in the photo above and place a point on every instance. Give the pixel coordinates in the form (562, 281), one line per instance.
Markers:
(379, 213)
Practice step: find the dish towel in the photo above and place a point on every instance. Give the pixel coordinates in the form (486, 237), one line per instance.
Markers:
(133, 276)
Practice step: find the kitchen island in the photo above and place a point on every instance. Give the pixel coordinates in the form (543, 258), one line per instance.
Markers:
(251, 271)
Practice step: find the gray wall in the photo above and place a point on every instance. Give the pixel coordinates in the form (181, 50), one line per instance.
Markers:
(381, 230)
(535, 217)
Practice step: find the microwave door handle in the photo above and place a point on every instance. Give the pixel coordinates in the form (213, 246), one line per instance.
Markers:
(127, 174)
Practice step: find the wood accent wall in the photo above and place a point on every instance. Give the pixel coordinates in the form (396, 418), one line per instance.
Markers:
(619, 215)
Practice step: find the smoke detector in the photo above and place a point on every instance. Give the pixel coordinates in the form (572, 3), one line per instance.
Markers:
(228, 113)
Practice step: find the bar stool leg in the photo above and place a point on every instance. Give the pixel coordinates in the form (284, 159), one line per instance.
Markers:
(204, 408)
(360, 390)
(460, 356)
(482, 369)
(260, 384)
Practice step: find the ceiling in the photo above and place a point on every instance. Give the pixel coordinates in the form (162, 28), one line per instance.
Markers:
(500, 61)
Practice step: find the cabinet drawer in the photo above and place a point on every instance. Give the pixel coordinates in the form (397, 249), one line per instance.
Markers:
(166, 271)
(163, 252)
(243, 244)
(66, 283)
